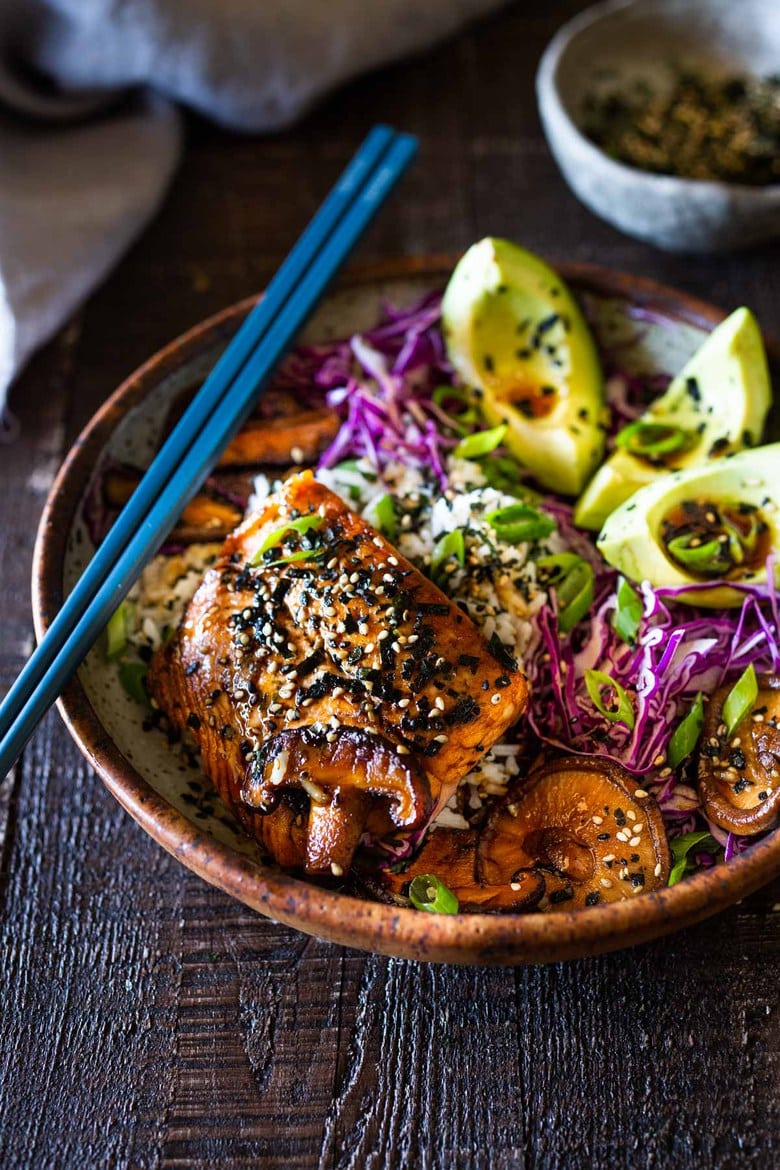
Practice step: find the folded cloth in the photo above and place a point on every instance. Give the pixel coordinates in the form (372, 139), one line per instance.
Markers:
(81, 172)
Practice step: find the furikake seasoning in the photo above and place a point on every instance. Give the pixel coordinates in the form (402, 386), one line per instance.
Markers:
(700, 128)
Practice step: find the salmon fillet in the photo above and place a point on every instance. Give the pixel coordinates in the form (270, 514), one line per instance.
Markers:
(336, 694)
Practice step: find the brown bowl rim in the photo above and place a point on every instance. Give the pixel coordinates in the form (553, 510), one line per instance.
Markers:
(342, 918)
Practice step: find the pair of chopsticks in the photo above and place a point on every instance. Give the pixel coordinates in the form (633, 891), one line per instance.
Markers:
(214, 416)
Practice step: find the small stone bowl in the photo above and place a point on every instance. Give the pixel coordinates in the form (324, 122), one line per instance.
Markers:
(648, 40)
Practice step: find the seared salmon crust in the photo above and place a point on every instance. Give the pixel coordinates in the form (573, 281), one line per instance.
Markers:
(312, 622)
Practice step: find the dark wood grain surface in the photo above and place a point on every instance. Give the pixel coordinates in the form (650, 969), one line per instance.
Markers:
(148, 1021)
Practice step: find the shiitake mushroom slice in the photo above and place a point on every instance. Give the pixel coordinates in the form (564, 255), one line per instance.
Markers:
(451, 854)
(739, 775)
(578, 821)
(345, 775)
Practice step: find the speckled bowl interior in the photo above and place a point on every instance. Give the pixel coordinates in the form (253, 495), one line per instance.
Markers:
(174, 802)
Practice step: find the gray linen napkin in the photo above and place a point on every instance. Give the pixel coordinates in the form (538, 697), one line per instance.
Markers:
(81, 175)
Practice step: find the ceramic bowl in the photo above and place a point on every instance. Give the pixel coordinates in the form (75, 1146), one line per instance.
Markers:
(657, 329)
(629, 40)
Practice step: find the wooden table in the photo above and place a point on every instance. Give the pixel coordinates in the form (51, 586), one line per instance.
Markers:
(149, 1021)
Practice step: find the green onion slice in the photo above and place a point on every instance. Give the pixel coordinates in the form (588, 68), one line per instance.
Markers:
(465, 418)
(301, 525)
(448, 546)
(381, 514)
(517, 523)
(686, 734)
(427, 892)
(654, 439)
(740, 699)
(481, 443)
(712, 556)
(573, 580)
(119, 624)
(506, 475)
(682, 846)
(628, 612)
(619, 708)
(132, 676)
(575, 596)
(293, 558)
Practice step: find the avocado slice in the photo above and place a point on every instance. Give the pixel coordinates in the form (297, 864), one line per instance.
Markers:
(515, 333)
(635, 537)
(717, 404)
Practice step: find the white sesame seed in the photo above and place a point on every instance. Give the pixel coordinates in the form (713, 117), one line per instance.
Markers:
(369, 647)
(382, 635)
(631, 815)
(362, 628)
(337, 692)
(440, 738)
(296, 454)
(635, 841)
(606, 883)
(598, 820)
(392, 561)
(336, 869)
(608, 857)
(439, 702)
(402, 751)
(657, 870)
(495, 699)
(403, 703)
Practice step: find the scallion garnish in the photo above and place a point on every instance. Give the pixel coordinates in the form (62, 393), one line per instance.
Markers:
(609, 698)
(572, 578)
(465, 418)
(292, 558)
(686, 734)
(381, 514)
(481, 443)
(557, 565)
(628, 612)
(681, 848)
(452, 544)
(575, 596)
(711, 556)
(117, 629)
(654, 440)
(301, 525)
(132, 676)
(504, 474)
(427, 892)
(517, 523)
(740, 699)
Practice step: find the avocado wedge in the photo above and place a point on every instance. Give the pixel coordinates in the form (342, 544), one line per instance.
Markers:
(715, 522)
(516, 335)
(716, 405)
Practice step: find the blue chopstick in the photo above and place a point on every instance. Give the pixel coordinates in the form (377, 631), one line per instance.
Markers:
(112, 571)
(205, 402)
